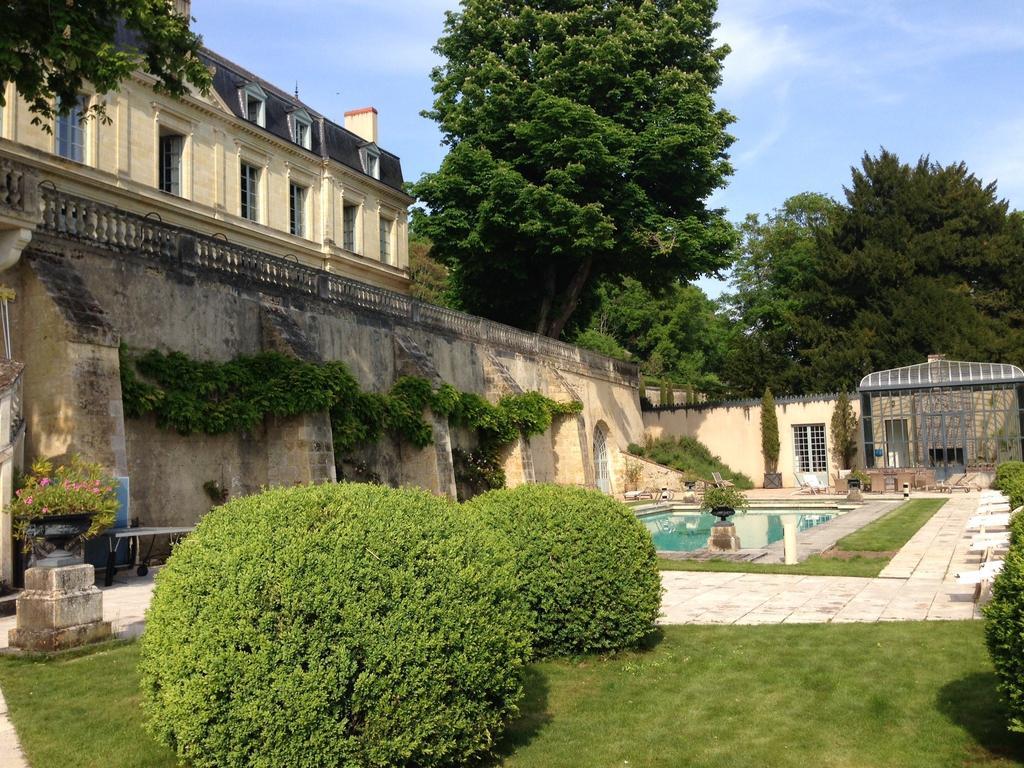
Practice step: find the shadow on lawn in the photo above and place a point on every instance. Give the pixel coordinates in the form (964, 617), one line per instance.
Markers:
(973, 703)
(533, 715)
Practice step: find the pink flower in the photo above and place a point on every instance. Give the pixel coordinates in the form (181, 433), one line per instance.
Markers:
(44, 482)
(46, 510)
(28, 500)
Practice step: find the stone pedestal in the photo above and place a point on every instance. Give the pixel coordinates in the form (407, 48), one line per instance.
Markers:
(723, 538)
(60, 608)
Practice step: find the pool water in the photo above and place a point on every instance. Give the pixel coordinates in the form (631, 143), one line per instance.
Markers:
(688, 531)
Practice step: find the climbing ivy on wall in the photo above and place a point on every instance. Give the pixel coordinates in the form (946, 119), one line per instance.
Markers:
(192, 396)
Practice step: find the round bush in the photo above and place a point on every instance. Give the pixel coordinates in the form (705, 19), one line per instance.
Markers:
(341, 625)
(1004, 627)
(587, 565)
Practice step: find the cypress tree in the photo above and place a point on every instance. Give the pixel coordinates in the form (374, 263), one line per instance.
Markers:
(769, 433)
(844, 433)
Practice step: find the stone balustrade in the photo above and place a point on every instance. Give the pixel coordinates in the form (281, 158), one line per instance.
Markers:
(19, 189)
(73, 217)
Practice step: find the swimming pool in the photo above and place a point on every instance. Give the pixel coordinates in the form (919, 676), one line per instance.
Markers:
(686, 530)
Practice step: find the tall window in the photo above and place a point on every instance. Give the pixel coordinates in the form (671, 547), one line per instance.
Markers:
(250, 192)
(348, 227)
(809, 445)
(297, 209)
(386, 226)
(171, 147)
(71, 132)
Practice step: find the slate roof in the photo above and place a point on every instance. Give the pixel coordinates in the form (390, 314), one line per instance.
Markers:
(942, 373)
(328, 138)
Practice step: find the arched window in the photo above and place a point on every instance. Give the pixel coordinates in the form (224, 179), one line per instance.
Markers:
(601, 472)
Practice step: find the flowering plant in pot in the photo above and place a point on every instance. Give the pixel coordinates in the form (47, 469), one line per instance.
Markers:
(63, 505)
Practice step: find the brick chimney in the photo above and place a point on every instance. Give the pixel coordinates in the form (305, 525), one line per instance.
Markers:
(363, 123)
(936, 358)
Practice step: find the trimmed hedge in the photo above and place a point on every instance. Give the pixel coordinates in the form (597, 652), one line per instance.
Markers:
(347, 625)
(1004, 626)
(588, 566)
(1010, 480)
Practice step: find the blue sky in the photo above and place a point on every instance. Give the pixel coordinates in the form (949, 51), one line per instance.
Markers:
(812, 83)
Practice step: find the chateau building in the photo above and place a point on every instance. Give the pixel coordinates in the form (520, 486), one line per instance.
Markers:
(247, 163)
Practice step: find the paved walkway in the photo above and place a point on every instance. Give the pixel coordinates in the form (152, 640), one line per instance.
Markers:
(917, 584)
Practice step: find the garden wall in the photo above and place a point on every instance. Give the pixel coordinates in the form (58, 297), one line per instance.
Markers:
(85, 285)
(732, 430)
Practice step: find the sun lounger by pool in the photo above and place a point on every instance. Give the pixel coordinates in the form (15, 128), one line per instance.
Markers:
(719, 481)
(986, 572)
(998, 520)
(985, 542)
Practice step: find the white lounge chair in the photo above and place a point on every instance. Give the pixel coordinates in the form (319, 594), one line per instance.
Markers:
(815, 484)
(998, 520)
(985, 542)
(993, 508)
(720, 482)
(986, 572)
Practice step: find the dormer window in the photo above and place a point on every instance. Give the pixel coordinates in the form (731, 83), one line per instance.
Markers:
(302, 128)
(254, 104)
(370, 156)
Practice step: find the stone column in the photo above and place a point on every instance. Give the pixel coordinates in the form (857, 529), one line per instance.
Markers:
(60, 608)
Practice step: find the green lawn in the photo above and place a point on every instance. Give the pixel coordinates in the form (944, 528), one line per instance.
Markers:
(866, 567)
(898, 695)
(876, 539)
(892, 531)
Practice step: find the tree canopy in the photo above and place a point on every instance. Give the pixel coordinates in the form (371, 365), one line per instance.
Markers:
(918, 259)
(584, 142)
(53, 49)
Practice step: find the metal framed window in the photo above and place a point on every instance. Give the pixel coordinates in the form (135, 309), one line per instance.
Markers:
(297, 209)
(170, 163)
(71, 132)
(810, 451)
(350, 214)
(250, 187)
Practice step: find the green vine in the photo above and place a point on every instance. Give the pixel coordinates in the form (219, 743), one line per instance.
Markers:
(215, 398)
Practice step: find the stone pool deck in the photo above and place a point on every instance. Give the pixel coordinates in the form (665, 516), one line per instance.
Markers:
(917, 584)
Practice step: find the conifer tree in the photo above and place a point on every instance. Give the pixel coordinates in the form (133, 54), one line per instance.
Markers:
(844, 433)
(769, 433)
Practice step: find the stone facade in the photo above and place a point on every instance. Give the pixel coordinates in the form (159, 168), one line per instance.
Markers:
(94, 277)
(732, 431)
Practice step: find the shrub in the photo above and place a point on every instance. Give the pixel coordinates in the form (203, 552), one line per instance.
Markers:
(687, 454)
(1004, 627)
(769, 433)
(587, 566)
(724, 497)
(347, 625)
(1010, 480)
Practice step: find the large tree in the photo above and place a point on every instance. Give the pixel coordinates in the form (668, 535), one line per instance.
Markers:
(776, 281)
(918, 259)
(677, 335)
(584, 142)
(55, 48)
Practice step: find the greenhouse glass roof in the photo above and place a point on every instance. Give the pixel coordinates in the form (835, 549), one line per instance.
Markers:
(942, 373)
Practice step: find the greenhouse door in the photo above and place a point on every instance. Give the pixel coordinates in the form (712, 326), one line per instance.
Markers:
(601, 460)
(945, 444)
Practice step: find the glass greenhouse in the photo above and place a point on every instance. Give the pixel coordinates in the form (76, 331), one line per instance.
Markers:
(948, 416)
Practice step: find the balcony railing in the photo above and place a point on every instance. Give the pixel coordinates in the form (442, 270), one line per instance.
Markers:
(74, 217)
(19, 189)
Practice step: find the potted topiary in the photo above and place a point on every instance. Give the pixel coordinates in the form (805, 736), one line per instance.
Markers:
(59, 508)
(770, 441)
